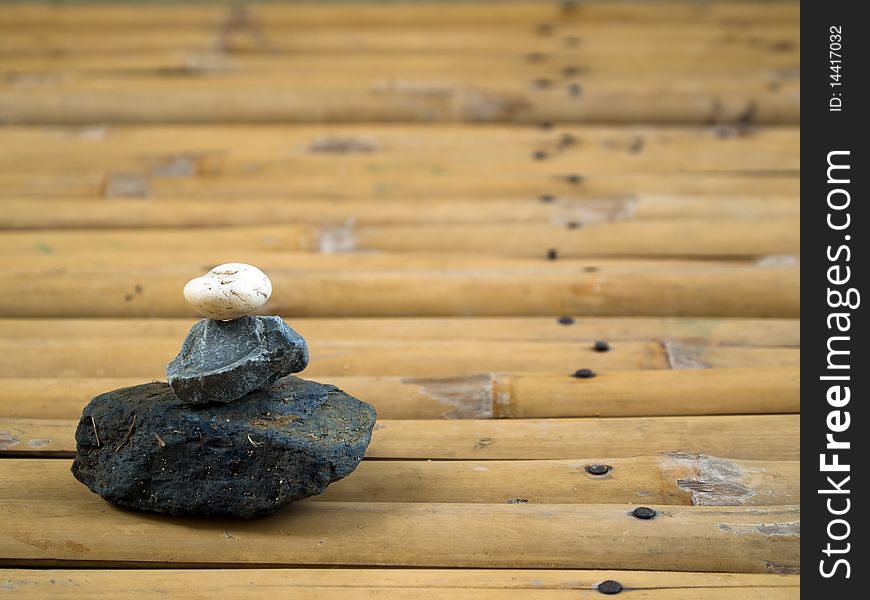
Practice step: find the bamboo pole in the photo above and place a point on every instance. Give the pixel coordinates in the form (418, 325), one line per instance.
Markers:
(307, 263)
(321, 583)
(42, 212)
(659, 239)
(131, 286)
(771, 56)
(756, 437)
(403, 150)
(191, 162)
(357, 592)
(671, 480)
(430, 13)
(390, 99)
(558, 179)
(610, 394)
(695, 29)
(564, 182)
(764, 438)
(664, 47)
(638, 393)
(147, 358)
(442, 535)
(706, 332)
(700, 238)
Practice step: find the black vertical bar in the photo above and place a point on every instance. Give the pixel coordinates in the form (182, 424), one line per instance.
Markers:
(834, 173)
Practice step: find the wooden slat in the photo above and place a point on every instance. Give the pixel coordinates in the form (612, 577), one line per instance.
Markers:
(705, 332)
(479, 38)
(570, 182)
(147, 358)
(85, 212)
(757, 437)
(402, 150)
(157, 100)
(446, 535)
(107, 286)
(644, 393)
(422, 51)
(333, 35)
(661, 239)
(509, 57)
(752, 437)
(434, 14)
(668, 479)
(338, 262)
(328, 593)
(610, 394)
(349, 583)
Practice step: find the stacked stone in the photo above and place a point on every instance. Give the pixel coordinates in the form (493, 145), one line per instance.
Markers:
(232, 432)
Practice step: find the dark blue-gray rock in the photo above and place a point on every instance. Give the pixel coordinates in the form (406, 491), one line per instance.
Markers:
(141, 447)
(221, 361)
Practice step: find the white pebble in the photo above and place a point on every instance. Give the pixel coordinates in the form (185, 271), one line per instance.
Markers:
(229, 291)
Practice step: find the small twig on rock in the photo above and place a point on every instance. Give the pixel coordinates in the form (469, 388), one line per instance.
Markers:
(253, 443)
(96, 433)
(160, 441)
(128, 436)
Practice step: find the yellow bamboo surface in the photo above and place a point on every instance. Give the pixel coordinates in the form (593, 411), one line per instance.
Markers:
(434, 535)
(425, 13)
(188, 213)
(408, 583)
(462, 207)
(387, 97)
(690, 480)
(519, 395)
(96, 357)
(148, 284)
(270, 150)
(683, 238)
(422, 56)
(756, 437)
(611, 197)
(566, 328)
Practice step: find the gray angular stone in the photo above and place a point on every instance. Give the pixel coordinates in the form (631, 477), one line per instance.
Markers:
(221, 361)
(141, 447)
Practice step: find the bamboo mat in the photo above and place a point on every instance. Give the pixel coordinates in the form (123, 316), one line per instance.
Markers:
(454, 202)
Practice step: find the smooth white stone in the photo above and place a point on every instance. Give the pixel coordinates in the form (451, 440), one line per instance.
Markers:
(229, 291)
